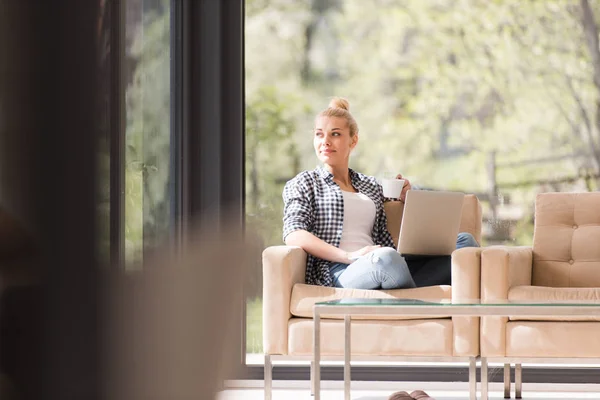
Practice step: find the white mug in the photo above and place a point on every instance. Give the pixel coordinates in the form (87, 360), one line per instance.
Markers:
(392, 188)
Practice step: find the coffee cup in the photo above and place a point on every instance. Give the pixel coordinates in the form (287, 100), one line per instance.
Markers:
(392, 188)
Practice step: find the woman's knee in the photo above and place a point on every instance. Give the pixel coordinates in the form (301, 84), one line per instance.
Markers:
(387, 256)
(465, 239)
(393, 267)
(387, 259)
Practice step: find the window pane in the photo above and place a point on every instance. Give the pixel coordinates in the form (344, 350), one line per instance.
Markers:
(492, 98)
(148, 116)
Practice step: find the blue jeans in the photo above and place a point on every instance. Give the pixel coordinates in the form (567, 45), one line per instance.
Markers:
(385, 268)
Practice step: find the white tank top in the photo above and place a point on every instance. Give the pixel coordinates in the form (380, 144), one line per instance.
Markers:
(359, 217)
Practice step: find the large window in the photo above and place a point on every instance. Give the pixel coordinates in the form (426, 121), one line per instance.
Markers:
(496, 98)
(135, 193)
(147, 144)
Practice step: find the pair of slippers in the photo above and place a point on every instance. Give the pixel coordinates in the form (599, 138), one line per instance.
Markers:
(416, 395)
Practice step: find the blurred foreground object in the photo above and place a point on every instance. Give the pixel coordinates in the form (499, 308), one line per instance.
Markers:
(170, 326)
(19, 310)
(17, 248)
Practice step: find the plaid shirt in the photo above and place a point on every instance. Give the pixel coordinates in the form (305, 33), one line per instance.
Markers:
(313, 202)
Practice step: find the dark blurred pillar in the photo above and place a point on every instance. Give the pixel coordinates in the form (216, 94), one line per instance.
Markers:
(48, 144)
(215, 120)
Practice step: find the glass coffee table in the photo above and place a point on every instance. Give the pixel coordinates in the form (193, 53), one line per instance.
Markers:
(349, 308)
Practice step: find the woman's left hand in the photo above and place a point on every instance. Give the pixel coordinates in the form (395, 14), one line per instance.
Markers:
(405, 188)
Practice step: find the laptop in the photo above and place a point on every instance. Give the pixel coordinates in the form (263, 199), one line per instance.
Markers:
(430, 222)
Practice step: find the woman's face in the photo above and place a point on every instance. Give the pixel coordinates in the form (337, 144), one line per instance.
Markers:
(332, 141)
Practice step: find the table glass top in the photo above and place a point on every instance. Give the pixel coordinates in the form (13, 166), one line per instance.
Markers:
(457, 303)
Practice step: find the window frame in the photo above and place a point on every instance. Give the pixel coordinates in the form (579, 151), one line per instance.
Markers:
(117, 123)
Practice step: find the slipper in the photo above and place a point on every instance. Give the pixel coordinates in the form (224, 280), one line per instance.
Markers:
(420, 395)
(400, 396)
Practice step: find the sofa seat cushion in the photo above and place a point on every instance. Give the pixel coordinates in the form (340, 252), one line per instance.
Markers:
(552, 339)
(374, 338)
(305, 296)
(542, 294)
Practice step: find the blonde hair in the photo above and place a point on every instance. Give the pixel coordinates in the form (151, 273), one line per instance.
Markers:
(340, 107)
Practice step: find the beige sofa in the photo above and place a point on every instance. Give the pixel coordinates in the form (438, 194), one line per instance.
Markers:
(288, 302)
(562, 264)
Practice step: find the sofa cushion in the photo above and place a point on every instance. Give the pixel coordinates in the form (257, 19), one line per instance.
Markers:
(305, 296)
(416, 338)
(542, 294)
(565, 240)
(552, 339)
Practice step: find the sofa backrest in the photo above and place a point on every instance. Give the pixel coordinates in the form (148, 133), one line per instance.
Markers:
(566, 240)
(470, 220)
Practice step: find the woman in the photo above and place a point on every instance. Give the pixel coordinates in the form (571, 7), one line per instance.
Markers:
(336, 215)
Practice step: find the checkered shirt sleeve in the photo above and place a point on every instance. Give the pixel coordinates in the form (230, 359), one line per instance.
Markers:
(382, 235)
(298, 206)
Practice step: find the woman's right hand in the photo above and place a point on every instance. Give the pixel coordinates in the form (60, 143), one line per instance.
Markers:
(361, 252)
(407, 186)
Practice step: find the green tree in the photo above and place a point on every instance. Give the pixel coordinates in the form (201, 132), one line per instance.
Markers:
(439, 86)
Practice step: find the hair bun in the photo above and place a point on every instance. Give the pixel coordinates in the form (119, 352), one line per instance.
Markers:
(339, 102)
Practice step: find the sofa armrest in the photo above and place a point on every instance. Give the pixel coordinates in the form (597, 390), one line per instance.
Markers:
(466, 283)
(283, 267)
(502, 267)
(466, 273)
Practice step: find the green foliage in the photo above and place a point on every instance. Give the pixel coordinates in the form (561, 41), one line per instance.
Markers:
(254, 326)
(134, 216)
(437, 87)
(147, 135)
(271, 156)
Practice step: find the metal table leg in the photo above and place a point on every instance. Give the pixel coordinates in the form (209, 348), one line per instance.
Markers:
(473, 378)
(518, 381)
(312, 378)
(317, 355)
(347, 354)
(268, 378)
(484, 379)
(507, 381)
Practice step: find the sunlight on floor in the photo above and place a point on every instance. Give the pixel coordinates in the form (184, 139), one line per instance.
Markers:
(297, 394)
